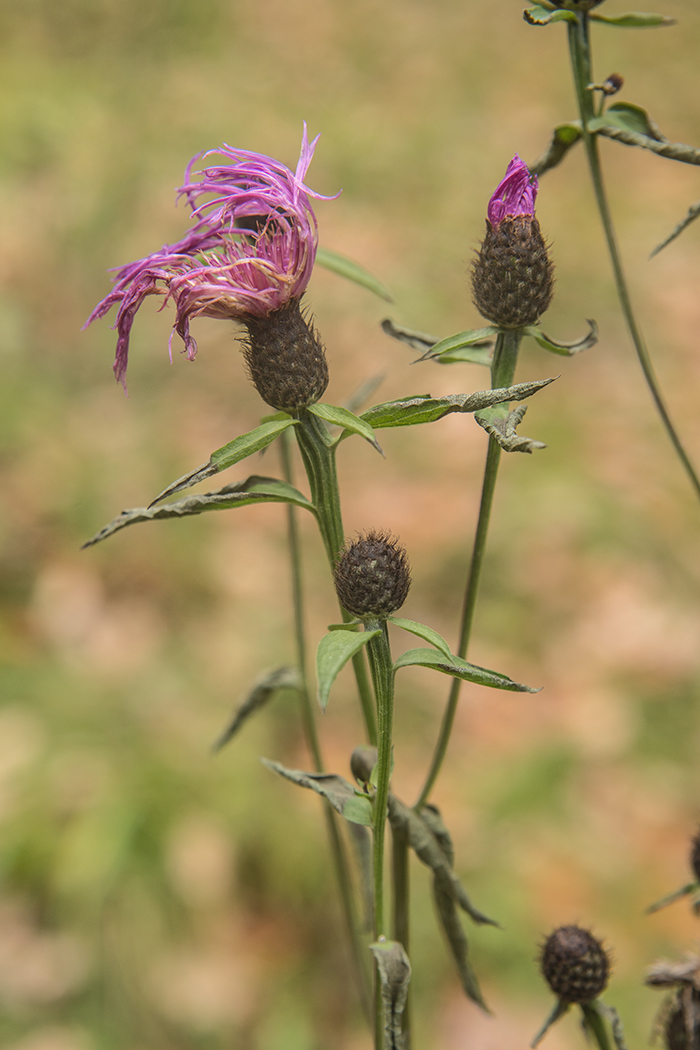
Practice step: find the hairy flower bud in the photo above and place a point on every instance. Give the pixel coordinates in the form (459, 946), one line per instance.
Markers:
(285, 358)
(512, 276)
(372, 575)
(575, 964)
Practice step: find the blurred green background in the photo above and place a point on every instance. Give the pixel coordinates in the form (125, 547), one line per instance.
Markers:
(155, 896)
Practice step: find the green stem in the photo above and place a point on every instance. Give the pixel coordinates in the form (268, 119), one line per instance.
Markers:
(338, 851)
(402, 895)
(318, 454)
(505, 359)
(596, 1025)
(580, 52)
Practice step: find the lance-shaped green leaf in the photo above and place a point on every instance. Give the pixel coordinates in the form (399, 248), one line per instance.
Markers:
(539, 15)
(236, 450)
(458, 668)
(475, 337)
(670, 898)
(503, 429)
(431, 816)
(426, 409)
(565, 349)
(343, 417)
(254, 489)
(394, 971)
(263, 690)
(420, 341)
(559, 1009)
(628, 117)
(334, 651)
(424, 632)
(341, 794)
(633, 20)
(679, 151)
(352, 271)
(564, 137)
(428, 849)
(692, 215)
(459, 947)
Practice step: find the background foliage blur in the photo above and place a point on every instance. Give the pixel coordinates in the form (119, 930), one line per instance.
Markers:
(156, 897)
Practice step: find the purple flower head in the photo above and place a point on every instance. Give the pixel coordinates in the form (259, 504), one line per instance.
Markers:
(251, 249)
(515, 194)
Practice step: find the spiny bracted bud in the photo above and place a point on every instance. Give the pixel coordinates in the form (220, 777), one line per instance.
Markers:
(362, 762)
(285, 358)
(372, 575)
(695, 854)
(575, 964)
(512, 275)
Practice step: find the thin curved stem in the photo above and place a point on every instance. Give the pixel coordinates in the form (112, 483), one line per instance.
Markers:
(579, 48)
(596, 1025)
(505, 359)
(338, 851)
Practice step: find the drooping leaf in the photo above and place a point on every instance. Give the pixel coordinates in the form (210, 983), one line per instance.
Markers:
(334, 651)
(633, 20)
(558, 1010)
(263, 690)
(542, 16)
(693, 213)
(342, 417)
(426, 409)
(563, 138)
(503, 429)
(352, 271)
(458, 668)
(236, 450)
(565, 349)
(420, 341)
(394, 976)
(424, 632)
(679, 151)
(335, 789)
(479, 337)
(469, 355)
(431, 816)
(457, 941)
(628, 117)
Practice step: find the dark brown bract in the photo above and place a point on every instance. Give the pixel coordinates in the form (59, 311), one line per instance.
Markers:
(512, 276)
(285, 358)
(575, 964)
(372, 575)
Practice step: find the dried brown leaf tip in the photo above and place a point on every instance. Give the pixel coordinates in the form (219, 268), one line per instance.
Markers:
(372, 575)
(575, 964)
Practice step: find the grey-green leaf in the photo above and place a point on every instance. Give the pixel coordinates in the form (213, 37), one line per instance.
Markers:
(628, 117)
(424, 632)
(343, 417)
(358, 810)
(394, 976)
(563, 138)
(420, 341)
(254, 489)
(503, 429)
(456, 938)
(263, 690)
(679, 151)
(335, 789)
(334, 651)
(458, 668)
(542, 16)
(352, 271)
(565, 349)
(474, 337)
(693, 213)
(634, 20)
(236, 450)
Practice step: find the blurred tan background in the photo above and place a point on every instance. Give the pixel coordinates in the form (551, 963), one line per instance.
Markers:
(154, 897)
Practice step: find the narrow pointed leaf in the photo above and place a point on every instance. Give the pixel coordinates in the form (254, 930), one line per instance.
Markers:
(633, 20)
(613, 1018)
(394, 976)
(342, 417)
(352, 271)
(559, 1009)
(542, 16)
(424, 632)
(565, 349)
(693, 213)
(351, 625)
(469, 355)
(334, 651)
(670, 898)
(236, 450)
(564, 137)
(457, 941)
(431, 816)
(254, 489)
(426, 409)
(335, 789)
(263, 690)
(420, 341)
(474, 337)
(458, 668)
(503, 429)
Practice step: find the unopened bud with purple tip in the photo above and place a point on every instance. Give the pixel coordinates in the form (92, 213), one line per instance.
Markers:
(512, 276)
